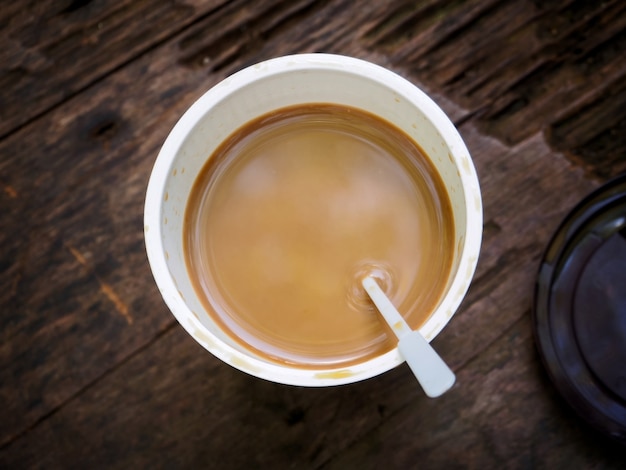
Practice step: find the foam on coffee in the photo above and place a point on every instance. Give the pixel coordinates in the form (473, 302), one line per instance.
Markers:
(293, 210)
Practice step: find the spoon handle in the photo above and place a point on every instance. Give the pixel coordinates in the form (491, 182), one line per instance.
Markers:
(431, 372)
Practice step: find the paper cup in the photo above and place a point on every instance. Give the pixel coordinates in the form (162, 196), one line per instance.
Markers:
(275, 84)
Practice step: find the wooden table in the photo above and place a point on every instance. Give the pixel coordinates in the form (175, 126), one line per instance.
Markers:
(94, 370)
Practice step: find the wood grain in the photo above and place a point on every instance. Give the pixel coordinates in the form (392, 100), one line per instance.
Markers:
(53, 50)
(80, 173)
(521, 67)
(505, 385)
(202, 413)
(95, 372)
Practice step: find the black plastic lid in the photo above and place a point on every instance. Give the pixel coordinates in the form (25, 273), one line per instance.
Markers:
(579, 313)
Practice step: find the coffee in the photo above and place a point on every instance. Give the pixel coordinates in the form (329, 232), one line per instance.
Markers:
(293, 209)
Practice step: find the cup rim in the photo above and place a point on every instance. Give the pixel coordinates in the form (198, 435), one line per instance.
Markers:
(165, 160)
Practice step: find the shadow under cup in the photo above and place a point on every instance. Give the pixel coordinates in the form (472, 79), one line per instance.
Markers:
(258, 90)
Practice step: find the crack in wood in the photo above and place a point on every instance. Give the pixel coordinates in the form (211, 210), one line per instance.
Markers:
(76, 5)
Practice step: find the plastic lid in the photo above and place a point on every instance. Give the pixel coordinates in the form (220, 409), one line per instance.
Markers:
(579, 314)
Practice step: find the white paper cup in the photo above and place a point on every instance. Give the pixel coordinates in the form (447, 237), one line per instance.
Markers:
(274, 84)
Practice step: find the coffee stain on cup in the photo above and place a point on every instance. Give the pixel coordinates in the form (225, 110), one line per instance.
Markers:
(203, 338)
(470, 270)
(463, 289)
(336, 374)
(466, 164)
(459, 246)
(243, 364)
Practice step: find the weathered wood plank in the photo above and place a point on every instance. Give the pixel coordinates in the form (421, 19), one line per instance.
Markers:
(223, 401)
(520, 66)
(52, 50)
(601, 150)
(506, 415)
(81, 296)
(198, 412)
(92, 366)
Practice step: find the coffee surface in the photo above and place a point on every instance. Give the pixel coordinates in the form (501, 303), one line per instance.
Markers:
(293, 209)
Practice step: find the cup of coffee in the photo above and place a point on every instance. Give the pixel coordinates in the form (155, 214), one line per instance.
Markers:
(287, 183)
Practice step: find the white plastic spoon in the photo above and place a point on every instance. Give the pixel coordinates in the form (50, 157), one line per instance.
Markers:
(431, 372)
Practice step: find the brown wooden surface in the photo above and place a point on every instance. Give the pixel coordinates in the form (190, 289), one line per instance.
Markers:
(94, 370)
